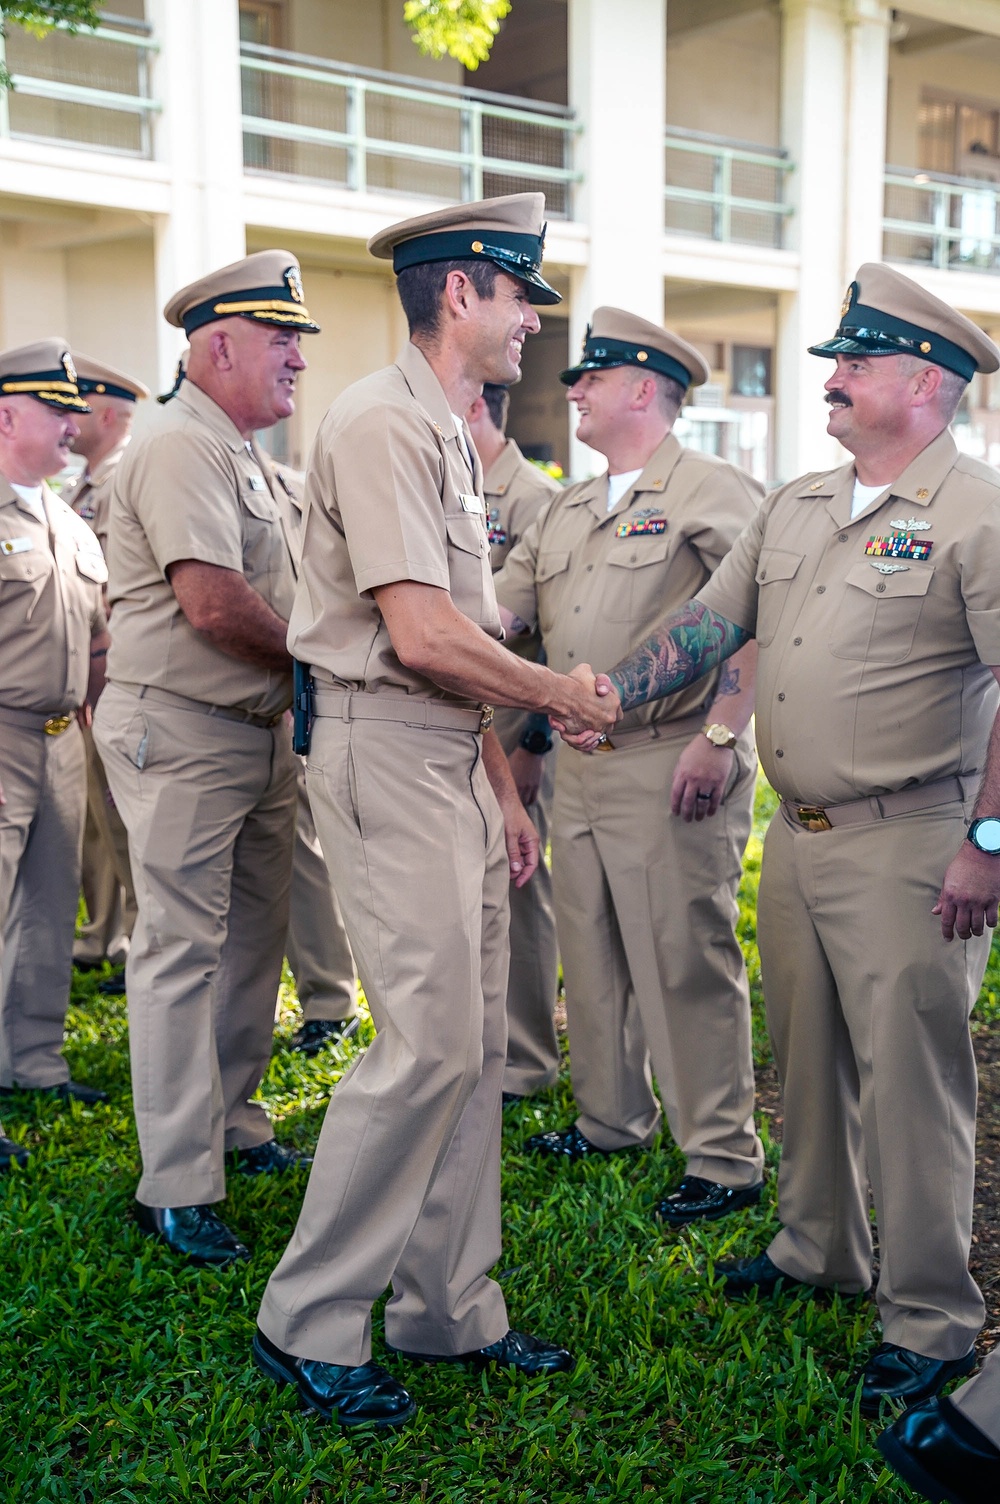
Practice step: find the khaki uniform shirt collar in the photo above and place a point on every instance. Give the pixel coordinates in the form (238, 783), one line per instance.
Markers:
(917, 486)
(428, 391)
(655, 474)
(95, 477)
(211, 414)
(8, 495)
(503, 469)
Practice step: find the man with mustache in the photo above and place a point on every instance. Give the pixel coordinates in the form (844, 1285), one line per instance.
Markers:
(53, 639)
(872, 593)
(197, 749)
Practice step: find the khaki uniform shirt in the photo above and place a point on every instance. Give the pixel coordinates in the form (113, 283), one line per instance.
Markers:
(288, 488)
(50, 604)
(597, 582)
(390, 495)
(871, 673)
(515, 492)
(193, 489)
(89, 494)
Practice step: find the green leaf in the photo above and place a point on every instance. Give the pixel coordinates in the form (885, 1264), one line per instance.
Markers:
(462, 29)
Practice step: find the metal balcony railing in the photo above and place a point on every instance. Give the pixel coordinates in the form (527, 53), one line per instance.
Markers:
(309, 117)
(87, 90)
(941, 221)
(727, 190)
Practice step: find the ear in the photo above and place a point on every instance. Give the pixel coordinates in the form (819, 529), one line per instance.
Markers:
(926, 385)
(644, 394)
(7, 420)
(459, 295)
(220, 349)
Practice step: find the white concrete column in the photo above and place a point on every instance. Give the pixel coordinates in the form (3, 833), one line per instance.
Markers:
(197, 81)
(814, 74)
(867, 101)
(617, 75)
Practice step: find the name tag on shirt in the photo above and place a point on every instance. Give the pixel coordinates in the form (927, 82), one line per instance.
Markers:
(16, 545)
(471, 502)
(258, 483)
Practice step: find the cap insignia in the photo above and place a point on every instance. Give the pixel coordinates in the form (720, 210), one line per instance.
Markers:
(849, 298)
(69, 367)
(293, 281)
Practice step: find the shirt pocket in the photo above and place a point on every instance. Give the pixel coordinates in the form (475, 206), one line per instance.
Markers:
(551, 580)
(90, 566)
(634, 584)
(878, 615)
(468, 563)
(776, 569)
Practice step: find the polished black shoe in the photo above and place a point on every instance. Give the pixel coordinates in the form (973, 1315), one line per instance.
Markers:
(896, 1373)
(271, 1158)
(508, 1098)
(194, 1231)
(114, 985)
(66, 1091)
(743, 1276)
(318, 1033)
(530, 1355)
(565, 1143)
(698, 1200)
(365, 1395)
(11, 1153)
(942, 1455)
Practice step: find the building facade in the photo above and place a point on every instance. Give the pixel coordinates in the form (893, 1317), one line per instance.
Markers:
(722, 165)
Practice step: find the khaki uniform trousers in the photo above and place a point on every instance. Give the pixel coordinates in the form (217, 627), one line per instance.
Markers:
(317, 947)
(868, 1011)
(41, 834)
(532, 988)
(105, 874)
(655, 979)
(979, 1399)
(405, 1187)
(209, 808)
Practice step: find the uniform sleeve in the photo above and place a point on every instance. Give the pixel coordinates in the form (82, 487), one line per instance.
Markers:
(732, 590)
(515, 582)
(979, 561)
(726, 501)
(183, 493)
(387, 474)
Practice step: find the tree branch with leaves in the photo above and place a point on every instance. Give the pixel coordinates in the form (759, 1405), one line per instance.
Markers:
(40, 18)
(462, 29)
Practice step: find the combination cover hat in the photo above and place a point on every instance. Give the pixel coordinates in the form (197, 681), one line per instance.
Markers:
(508, 231)
(266, 287)
(95, 378)
(885, 313)
(44, 370)
(617, 338)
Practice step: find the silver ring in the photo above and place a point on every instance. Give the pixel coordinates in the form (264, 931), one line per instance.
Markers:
(703, 796)
(602, 738)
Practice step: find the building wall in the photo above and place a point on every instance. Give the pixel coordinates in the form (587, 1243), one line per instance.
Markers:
(114, 317)
(725, 78)
(969, 71)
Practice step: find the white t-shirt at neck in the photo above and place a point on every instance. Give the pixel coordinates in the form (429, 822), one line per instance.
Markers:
(32, 497)
(864, 496)
(619, 484)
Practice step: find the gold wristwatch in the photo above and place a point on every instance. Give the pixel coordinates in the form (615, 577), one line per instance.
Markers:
(719, 735)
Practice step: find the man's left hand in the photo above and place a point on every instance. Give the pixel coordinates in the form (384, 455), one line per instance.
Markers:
(700, 779)
(522, 843)
(969, 894)
(526, 770)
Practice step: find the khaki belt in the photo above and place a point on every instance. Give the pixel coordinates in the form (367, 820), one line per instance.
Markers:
(880, 806)
(182, 702)
(35, 720)
(344, 705)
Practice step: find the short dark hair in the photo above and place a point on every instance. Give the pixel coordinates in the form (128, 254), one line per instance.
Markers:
(497, 399)
(421, 287)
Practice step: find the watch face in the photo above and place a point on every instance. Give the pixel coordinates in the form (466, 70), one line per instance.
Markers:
(986, 834)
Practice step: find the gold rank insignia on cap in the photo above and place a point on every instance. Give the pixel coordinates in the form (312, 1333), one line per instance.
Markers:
(45, 371)
(293, 279)
(849, 297)
(265, 287)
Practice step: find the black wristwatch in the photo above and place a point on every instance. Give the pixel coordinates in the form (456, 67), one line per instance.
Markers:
(985, 835)
(537, 742)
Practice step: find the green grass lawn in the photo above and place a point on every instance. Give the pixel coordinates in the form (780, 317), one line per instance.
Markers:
(126, 1376)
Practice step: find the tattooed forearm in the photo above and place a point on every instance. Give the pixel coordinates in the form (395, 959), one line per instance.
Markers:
(729, 681)
(689, 643)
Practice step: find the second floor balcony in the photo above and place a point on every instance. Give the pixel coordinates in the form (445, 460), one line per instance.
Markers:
(950, 223)
(726, 190)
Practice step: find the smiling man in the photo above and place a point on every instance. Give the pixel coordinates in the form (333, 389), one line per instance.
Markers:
(422, 829)
(872, 593)
(197, 749)
(52, 645)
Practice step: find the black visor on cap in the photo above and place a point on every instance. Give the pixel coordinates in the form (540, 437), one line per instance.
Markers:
(601, 354)
(51, 387)
(265, 305)
(869, 331)
(518, 255)
(104, 389)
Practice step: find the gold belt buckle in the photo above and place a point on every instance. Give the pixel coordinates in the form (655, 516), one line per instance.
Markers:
(56, 724)
(813, 817)
(486, 719)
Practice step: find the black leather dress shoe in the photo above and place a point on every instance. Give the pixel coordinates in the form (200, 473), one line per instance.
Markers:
(66, 1091)
(942, 1455)
(114, 985)
(760, 1273)
(11, 1153)
(508, 1098)
(565, 1143)
(271, 1158)
(896, 1373)
(530, 1355)
(194, 1231)
(367, 1394)
(698, 1200)
(318, 1033)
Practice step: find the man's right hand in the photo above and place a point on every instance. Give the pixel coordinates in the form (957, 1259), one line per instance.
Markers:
(591, 709)
(588, 740)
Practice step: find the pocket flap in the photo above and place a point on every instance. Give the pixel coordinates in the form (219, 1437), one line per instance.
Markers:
(550, 564)
(633, 553)
(466, 531)
(902, 582)
(91, 565)
(777, 564)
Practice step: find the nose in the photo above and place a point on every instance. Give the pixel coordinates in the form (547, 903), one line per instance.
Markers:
(575, 392)
(72, 429)
(834, 380)
(296, 359)
(530, 320)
